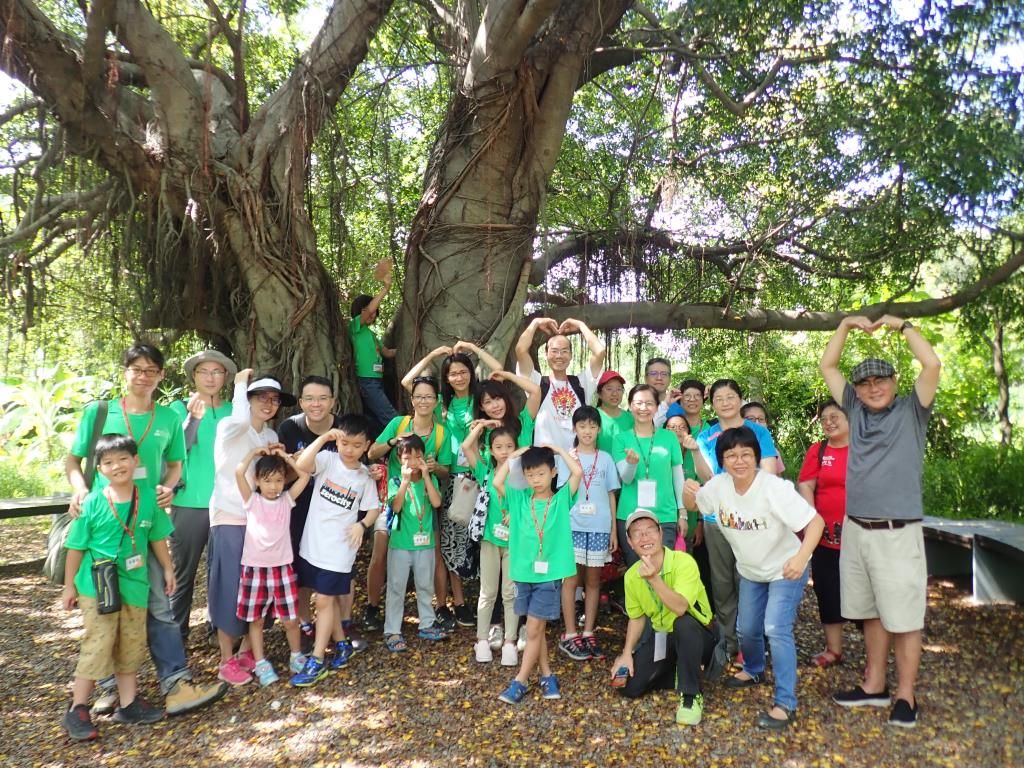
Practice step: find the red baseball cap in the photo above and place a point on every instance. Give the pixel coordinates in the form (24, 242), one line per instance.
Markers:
(609, 376)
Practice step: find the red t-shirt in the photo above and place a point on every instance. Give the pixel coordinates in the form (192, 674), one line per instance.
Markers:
(829, 490)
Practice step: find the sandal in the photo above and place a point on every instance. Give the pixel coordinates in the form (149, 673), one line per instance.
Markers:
(827, 658)
(396, 644)
(432, 633)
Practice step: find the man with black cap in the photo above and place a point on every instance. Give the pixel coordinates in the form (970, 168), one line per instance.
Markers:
(670, 634)
(882, 568)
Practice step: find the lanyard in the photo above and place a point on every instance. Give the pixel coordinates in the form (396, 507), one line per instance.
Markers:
(418, 508)
(540, 528)
(588, 478)
(647, 458)
(132, 513)
(128, 424)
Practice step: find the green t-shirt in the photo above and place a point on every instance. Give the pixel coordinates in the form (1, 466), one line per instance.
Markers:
(658, 455)
(680, 573)
(524, 544)
(525, 440)
(417, 515)
(437, 445)
(484, 474)
(97, 532)
(198, 472)
(612, 426)
(165, 440)
(366, 347)
(456, 423)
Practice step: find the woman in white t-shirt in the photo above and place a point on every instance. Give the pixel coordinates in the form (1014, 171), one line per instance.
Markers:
(759, 514)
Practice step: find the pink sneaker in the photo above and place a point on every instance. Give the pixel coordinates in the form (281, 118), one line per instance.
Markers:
(231, 672)
(246, 661)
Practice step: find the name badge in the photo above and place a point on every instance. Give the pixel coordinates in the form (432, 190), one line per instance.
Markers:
(565, 424)
(646, 493)
(586, 508)
(420, 539)
(139, 473)
(660, 645)
(461, 460)
(500, 532)
(378, 367)
(540, 566)
(133, 562)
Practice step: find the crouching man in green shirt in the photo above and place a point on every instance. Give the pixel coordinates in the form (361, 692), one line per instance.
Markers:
(670, 635)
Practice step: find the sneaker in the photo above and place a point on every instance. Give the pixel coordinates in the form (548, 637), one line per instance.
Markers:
(903, 715)
(342, 653)
(482, 649)
(574, 647)
(521, 640)
(231, 672)
(445, 619)
(495, 637)
(186, 696)
(246, 661)
(858, 697)
(139, 711)
(691, 710)
(79, 725)
(105, 704)
(296, 662)
(371, 619)
(549, 687)
(509, 655)
(590, 641)
(265, 673)
(464, 616)
(311, 674)
(514, 693)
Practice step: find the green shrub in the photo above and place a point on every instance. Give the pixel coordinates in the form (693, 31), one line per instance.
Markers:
(983, 482)
(18, 480)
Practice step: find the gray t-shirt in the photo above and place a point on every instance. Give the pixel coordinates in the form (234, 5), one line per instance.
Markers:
(886, 459)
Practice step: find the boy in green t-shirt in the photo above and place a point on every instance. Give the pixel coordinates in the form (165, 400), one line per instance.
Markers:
(369, 353)
(413, 497)
(540, 554)
(118, 523)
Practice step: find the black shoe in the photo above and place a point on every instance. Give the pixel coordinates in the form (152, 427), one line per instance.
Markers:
(736, 682)
(765, 720)
(856, 697)
(79, 725)
(371, 619)
(903, 715)
(139, 711)
(445, 619)
(464, 616)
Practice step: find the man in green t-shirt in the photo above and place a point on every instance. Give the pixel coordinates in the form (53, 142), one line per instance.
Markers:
(370, 353)
(670, 634)
(158, 433)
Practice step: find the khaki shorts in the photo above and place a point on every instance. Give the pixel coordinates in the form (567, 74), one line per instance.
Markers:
(113, 643)
(883, 575)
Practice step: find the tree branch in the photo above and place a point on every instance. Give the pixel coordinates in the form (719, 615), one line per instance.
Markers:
(606, 59)
(27, 105)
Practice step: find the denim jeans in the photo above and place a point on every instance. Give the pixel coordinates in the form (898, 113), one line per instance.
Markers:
(768, 609)
(166, 647)
(376, 400)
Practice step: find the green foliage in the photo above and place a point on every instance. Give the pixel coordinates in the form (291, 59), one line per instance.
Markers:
(19, 480)
(980, 481)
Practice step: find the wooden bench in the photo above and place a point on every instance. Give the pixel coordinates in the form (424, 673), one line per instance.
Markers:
(33, 506)
(989, 552)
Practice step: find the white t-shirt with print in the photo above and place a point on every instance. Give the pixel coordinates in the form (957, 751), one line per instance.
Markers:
(554, 418)
(338, 496)
(760, 525)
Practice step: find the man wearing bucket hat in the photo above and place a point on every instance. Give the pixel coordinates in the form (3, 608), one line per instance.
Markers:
(882, 568)
(670, 635)
(254, 404)
(209, 371)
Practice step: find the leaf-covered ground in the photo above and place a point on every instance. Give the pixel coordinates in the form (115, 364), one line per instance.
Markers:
(436, 706)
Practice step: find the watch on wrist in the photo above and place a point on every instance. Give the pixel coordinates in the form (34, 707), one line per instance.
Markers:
(906, 324)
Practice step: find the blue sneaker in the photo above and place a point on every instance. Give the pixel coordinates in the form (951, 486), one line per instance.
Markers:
(265, 673)
(342, 653)
(311, 674)
(549, 687)
(296, 662)
(514, 693)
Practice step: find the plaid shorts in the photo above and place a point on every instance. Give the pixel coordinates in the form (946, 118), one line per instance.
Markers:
(263, 587)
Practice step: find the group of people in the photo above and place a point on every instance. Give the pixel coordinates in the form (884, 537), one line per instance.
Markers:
(532, 500)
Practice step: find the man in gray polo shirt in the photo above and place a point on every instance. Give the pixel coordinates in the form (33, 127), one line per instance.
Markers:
(882, 573)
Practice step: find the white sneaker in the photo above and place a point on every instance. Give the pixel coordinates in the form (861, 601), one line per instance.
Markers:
(495, 637)
(483, 651)
(521, 642)
(509, 655)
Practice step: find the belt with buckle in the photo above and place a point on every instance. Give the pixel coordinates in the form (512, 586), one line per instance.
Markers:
(874, 525)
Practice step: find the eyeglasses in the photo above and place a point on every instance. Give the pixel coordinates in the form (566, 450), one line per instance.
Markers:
(613, 390)
(693, 398)
(424, 398)
(134, 371)
(318, 400)
(211, 373)
(658, 374)
(647, 404)
(723, 399)
(757, 420)
(266, 397)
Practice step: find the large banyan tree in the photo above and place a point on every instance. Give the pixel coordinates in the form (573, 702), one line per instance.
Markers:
(748, 165)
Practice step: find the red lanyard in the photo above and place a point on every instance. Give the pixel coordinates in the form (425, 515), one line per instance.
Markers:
(128, 424)
(133, 516)
(420, 513)
(589, 477)
(540, 528)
